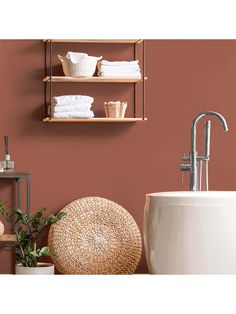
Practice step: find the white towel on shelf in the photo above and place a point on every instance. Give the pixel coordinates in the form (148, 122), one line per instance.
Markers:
(115, 74)
(122, 67)
(120, 76)
(67, 100)
(118, 63)
(119, 68)
(75, 57)
(74, 114)
(76, 107)
(120, 72)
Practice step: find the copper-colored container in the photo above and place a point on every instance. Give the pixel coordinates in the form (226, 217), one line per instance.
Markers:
(115, 109)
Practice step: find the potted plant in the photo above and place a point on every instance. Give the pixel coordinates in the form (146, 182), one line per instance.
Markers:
(27, 230)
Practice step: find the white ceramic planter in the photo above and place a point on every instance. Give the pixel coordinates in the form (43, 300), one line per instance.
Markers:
(42, 269)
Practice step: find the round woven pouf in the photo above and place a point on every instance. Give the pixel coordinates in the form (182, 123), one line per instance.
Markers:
(97, 236)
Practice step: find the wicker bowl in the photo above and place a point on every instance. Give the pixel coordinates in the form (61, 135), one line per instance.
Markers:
(97, 236)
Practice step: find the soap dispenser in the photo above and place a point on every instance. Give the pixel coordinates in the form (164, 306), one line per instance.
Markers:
(7, 164)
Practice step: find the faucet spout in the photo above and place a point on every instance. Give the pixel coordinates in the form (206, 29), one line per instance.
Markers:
(203, 114)
(193, 153)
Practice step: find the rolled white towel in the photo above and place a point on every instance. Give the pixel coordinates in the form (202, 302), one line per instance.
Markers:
(72, 100)
(80, 108)
(74, 114)
(118, 63)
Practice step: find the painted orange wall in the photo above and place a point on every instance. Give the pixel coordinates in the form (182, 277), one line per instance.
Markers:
(118, 162)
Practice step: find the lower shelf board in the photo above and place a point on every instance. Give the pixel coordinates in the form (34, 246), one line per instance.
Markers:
(92, 120)
(7, 239)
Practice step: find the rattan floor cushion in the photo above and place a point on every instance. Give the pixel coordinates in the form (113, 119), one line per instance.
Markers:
(97, 236)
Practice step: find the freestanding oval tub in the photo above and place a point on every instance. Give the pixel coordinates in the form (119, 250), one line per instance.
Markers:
(190, 232)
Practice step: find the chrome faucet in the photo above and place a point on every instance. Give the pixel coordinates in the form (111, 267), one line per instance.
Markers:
(194, 165)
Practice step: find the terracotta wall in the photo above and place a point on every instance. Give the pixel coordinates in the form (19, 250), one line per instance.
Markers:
(118, 162)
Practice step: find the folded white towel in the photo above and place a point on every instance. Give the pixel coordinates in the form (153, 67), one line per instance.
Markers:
(80, 107)
(125, 67)
(105, 68)
(72, 100)
(134, 75)
(118, 71)
(118, 63)
(121, 76)
(74, 114)
(119, 68)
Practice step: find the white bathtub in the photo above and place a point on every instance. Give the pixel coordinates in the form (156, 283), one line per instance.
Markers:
(190, 232)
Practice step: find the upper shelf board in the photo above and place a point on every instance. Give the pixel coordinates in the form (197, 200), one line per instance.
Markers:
(96, 41)
(93, 79)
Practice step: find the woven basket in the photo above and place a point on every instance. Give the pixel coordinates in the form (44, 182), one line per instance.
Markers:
(97, 237)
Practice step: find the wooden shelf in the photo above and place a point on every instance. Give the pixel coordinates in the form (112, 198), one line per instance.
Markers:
(96, 41)
(93, 79)
(7, 239)
(95, 120)
(13, 175)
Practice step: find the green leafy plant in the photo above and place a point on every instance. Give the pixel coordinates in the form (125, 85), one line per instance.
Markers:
(28, 229)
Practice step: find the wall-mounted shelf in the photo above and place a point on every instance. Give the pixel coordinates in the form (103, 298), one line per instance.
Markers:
(138, 82)
(8, 240)
(96, 41)
(93, 79)
(95, 120)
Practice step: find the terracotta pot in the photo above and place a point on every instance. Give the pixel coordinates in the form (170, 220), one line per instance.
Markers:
(41, 269)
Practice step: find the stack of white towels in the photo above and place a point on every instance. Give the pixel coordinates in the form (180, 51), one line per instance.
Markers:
(72, 106)
(119, 68)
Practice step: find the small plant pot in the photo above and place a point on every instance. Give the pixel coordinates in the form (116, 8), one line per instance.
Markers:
(41, 269)
(115, 109)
